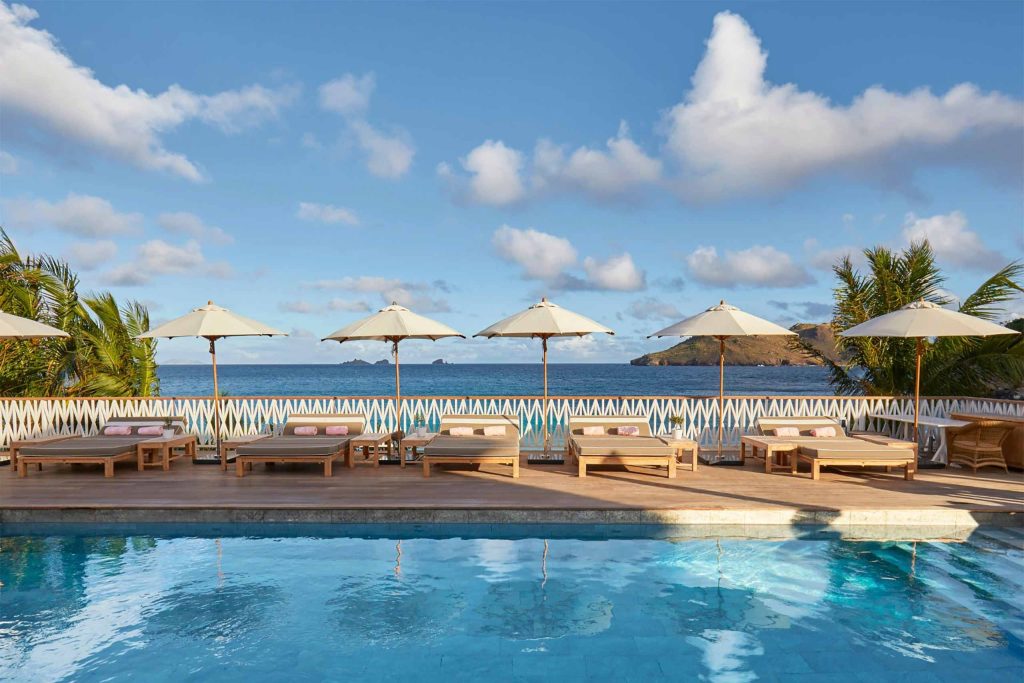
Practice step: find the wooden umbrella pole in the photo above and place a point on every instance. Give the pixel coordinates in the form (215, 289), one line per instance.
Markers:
(544, 417)
(917, 385)
(721, 393)
(398, 396)
(216, 395)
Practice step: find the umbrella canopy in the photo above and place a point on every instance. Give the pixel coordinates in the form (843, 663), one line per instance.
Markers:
(722, 322)
(919, 320)
(393, 324)
(213, 322)
(542, 321)
(16, 327)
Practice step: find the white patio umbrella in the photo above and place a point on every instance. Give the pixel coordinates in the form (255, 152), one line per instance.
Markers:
(722, 322)
(920, 320)
(393, 324)
(212, 322)
(543, 321)
(16, 327)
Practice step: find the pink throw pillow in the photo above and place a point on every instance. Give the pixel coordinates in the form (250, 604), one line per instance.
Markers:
(494, 430)
(461, 431)
(823, 432)
(593, 431)
(117, 431)
(309, 430)
(151, 431)
(628, 431)
(787, 431)
(337, 431)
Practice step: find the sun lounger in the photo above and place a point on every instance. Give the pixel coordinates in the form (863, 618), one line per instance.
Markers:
(320, 449)
(611, 448)
(838, 450)
(101, 449)
(477, 448)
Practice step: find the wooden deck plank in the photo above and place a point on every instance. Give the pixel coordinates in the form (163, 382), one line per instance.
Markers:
(539, 487)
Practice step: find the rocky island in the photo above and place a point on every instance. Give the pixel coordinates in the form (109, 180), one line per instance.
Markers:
(749, 350)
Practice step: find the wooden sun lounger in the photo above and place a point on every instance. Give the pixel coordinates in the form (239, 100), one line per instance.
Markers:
(841, 450)
(612, 449)
(94, 450)
(446, 449)
(321, 449)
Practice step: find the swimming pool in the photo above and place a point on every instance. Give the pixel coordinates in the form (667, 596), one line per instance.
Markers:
(392, 603)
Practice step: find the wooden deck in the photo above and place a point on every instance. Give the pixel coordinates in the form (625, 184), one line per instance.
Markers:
(748, 492)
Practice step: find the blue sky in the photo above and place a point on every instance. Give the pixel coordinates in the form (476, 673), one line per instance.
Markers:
(305, 163)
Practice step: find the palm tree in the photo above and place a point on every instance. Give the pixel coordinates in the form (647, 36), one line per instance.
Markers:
(100, 358)
(952, 365)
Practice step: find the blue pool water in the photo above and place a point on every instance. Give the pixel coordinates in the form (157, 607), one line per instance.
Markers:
(496, 604)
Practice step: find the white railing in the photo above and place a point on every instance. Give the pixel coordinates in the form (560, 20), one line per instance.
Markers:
(24, 418)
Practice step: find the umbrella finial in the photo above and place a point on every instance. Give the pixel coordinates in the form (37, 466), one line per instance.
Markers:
(209, 302)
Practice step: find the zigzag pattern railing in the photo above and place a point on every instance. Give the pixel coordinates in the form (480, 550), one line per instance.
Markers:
(23, 418)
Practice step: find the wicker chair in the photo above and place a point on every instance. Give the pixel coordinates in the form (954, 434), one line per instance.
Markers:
(980, 444)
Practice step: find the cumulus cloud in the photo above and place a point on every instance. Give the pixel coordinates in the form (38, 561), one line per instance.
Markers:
(758, 266)
(418, 296)
(326, 213)
(824, 258)
(337, 304)
(8, 164)
(650, 308)
(45, 91)
(297, 306)
(91, 255)
(549, 258)
(191, 225)
(350, 305)
(156, 258)
(388, 155)
(78, 214)
(952, 240)
(736, 134)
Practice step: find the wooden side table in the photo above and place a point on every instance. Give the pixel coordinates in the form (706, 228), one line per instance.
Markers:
(159, 452)
(16, 446)
(681, 446)
(770, 445)
(233, 443)
(413, 442)
(372, 443)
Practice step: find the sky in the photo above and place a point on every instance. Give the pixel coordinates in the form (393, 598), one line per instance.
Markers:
(307, 163)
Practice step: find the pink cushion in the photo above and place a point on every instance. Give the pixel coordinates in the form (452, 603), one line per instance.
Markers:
(461, 431)
(117, 431)
(151, 431)
(307, 430)
(593, 431)
(337, 430)
(787, 431)
(628, 431)
(823, 431)
(494, 430)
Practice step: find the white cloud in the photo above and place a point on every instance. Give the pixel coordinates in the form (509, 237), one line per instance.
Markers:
(156, 258)
(336, 304)
(77, 214)
(350, 305)
(735, 133)
(540, 255)
(650, 308)
(43, 89)
(823, 258)
(804, 311)
(617, 273)
(296, 307)
(417, 296)
(326, 213)
(494, 175)
(191, 225)
(387, 156)
(8, 164)
(91, 255)
(758, 266)
(348, 95)
(951, 240)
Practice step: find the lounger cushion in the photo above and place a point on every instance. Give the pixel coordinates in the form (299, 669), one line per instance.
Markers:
(823, 449)
(470, 446)
(622, 445)
(85, 446)
(294, 446)
(460, 431)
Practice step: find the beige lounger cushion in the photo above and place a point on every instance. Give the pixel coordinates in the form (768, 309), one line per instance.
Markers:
(609, 424)
(356, 423)
(823, 449)
(446, 446)
(805, 424)
(294, 446)
(632, 446)
(85, 447)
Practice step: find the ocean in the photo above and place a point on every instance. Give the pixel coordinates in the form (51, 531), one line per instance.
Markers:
(564, 379)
